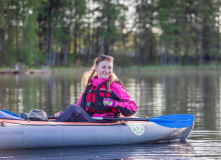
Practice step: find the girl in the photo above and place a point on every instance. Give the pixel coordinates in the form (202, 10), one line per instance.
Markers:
(103, 96)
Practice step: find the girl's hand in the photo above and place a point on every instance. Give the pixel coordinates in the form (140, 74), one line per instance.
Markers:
(109, 102)
(57, 114)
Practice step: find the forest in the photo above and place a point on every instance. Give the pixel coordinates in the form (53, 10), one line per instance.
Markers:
(70, 33)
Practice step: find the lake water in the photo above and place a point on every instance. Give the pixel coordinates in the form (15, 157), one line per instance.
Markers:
(156, 92)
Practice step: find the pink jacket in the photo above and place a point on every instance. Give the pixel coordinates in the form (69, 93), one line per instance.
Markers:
(127, 108)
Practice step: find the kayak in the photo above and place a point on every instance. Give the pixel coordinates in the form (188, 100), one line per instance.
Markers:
(19, 133)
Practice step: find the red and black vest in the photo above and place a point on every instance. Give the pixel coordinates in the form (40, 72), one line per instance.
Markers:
(92, 100)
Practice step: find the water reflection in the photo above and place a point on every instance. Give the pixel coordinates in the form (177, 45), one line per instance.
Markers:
(206, 144)
(142, 151)
(156, 93)
(21, 93)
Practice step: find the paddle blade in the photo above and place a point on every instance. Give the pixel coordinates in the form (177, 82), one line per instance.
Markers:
(174, 121)
(7, 116)
(10, 113)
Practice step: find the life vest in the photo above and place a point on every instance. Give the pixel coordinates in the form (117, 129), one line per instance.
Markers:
(92, 100)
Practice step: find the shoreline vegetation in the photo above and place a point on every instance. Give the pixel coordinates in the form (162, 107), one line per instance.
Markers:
(131, 71)
(73, 33)
(128, 70)
(145, 68)
(140, 68)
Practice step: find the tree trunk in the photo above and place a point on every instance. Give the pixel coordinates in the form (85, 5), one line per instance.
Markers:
(102, 45)
(79, 44)
(200, 38)
(135, 46)
(107, 48)
(89, 52)
(97, 39)
(55, 53)
(178, 54)
(161, 54)
(3, 34)
(186, 54)
(151, 39)
(67, 45)
(200, 47)
(48, 38)
(75, 40)
(165, 53)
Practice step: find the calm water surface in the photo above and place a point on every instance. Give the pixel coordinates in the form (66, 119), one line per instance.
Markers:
(156, 93)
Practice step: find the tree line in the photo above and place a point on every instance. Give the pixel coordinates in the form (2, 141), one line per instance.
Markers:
(135, 32)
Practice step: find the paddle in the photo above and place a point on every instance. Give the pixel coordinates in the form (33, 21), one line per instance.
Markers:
(171, 121)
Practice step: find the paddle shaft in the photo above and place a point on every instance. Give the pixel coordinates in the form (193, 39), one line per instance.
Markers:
(96, 118)
(109, 118)
(121, 119)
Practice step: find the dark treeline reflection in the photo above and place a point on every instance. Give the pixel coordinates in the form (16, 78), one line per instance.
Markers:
(21, 93)
(156, 93)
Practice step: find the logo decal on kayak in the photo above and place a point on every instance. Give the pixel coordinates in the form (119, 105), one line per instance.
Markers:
(137, 128)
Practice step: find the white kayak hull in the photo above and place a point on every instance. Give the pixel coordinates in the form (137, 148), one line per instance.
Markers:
(35, 134)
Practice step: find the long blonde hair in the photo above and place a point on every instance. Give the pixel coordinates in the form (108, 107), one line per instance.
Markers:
(88, 75)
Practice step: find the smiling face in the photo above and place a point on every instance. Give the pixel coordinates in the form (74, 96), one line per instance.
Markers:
(104, 69)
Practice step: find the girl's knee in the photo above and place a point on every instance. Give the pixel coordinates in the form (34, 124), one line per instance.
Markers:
(73, 107)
